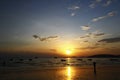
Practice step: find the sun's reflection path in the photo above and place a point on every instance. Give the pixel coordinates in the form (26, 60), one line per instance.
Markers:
(69, 70)
(69, 73)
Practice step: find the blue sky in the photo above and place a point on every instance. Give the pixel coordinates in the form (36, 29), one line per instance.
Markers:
(74, 22)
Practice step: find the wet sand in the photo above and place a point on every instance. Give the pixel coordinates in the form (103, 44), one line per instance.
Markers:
(61, 73)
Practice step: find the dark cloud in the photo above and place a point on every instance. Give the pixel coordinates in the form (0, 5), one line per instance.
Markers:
(45, 38)
(110, 40)
(35, 36)
(52, 37)
(99, 34)
(85, 28)
(53, 50)
(86, 41)
(97, 44)
(86, 48)
(93, 34)
(86, 36)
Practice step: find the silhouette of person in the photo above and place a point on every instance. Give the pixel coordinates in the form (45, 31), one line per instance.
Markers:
(94, 64)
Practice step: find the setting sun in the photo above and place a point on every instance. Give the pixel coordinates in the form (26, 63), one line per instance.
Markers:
(68, 51)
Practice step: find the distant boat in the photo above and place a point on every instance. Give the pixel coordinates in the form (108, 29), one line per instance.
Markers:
(63, 60)
(11, 59)
(89, 59)
(68, 64)
(21, 59)
(36, 57)
(30, 59)
(113, 59)
(55, 57)
(4, 63)
(80, 59)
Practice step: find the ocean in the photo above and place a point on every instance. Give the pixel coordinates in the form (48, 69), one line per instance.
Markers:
(59, 69)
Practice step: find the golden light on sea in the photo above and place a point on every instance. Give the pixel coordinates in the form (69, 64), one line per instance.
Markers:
(69, 73)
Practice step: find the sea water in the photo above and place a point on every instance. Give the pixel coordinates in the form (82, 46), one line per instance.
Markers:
(18, 62)
(59, 69)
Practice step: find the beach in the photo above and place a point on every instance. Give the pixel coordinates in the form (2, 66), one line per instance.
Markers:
(61, 73)
(66, 72)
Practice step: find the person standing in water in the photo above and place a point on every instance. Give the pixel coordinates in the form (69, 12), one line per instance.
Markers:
(94, 64)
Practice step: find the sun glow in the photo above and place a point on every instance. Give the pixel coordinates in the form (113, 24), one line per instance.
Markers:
(68, 51)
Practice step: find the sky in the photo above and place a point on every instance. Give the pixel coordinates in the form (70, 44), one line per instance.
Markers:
(54, 27)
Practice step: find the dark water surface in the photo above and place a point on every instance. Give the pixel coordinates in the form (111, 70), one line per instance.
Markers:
(60, 69)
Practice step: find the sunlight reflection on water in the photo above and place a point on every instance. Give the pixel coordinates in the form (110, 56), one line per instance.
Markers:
(69, 70)
(69, 73)
(65, 72)
(62, 73)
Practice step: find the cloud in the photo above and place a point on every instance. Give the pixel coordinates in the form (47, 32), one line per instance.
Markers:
(92, 5)
(98, 0)
(74, 8)
(86, 41)
(99, 34)
(103, 3)
(53, 50)
(44, 38)
(35, 36)
(73, 14)
(95, 3)
(110, 14)
(97, 44)
(110, 40)
(85, 48)
(107, 3)
(93, 34)
(52, 37)
(98, 18)
(85, 28)
(86, 35)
